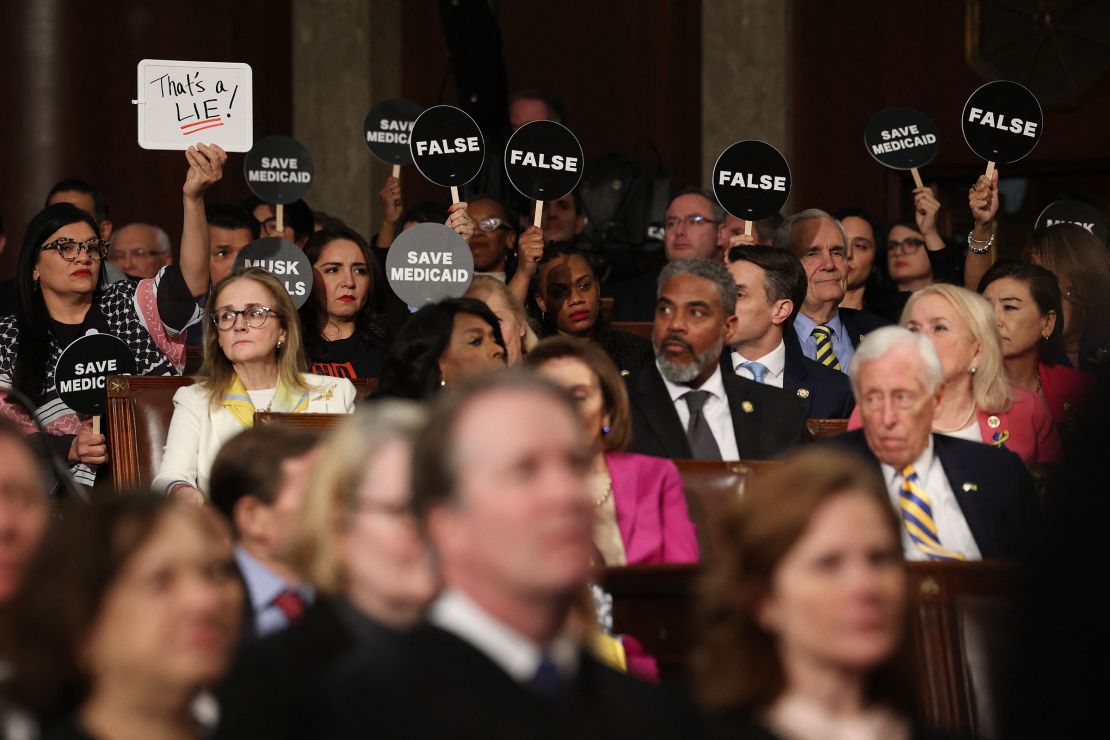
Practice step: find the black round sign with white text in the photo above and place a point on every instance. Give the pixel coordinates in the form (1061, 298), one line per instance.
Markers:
(543, 160)
(751, 180)
(1002, 121)
(84, 366)
(427, 263)
(901, 138)
(278, 169)
(387, 127)
(447, 146)
(1073, 212)
(285, 261)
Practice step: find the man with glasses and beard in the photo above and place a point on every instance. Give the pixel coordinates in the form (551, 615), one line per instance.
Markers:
(683, 406)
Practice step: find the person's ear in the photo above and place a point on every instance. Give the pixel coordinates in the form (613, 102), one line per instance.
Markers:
(730, 326)
(768, 614)
(540, 301)
(105, 229)
(781, 310)
(250, 516)
(580, 222)
(1049, 323)
(510, 240)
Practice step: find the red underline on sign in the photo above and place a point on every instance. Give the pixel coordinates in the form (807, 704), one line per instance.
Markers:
(197, 123)
(193, 131)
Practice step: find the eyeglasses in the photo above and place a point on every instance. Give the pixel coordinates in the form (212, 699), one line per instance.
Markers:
(908, 245)
(68, 249)
(493, 224)
(254, 316)
(904, 400)
(139, 254)
(691, 221)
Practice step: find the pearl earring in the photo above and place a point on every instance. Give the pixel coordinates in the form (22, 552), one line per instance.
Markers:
(973, 370)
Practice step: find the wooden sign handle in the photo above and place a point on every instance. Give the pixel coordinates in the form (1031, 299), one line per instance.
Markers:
(747, 228)
(397, 171)
(279, 217)
(454, 194)
(96, 424)
(537, 220)
(916, 177)
(990, 170)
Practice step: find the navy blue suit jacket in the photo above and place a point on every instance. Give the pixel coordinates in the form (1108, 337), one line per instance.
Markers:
(823, 393)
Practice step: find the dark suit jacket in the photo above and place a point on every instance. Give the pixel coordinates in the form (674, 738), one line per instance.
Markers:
(775, 422)
(858, 323)
(823, 393)
(992, 487)
(634, 299)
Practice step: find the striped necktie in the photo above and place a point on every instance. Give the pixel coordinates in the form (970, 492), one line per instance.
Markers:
(917, 515)
(822, 334)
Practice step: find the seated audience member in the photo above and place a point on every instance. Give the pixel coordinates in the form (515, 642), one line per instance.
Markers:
(866, 286)
(916, 255)
(689, 232)
(62, 295)
(297, 225)
(87, 198)
(959, 500)
(258, 483)
(1027, 308)
(493, 244)
(533, 104)
(253, 360)
(683, 406)
(568, 294)
(805, 608)
(345, 335)
(826, 332)
(357, 544)
(564, 219)
(140, 250)
(151, 618)
(23, 506)
(641, 505)
(979, 403)
(510, 313)
(442, 344)
(500, 491)
(770, 289)
(230, 228)
(731, 230)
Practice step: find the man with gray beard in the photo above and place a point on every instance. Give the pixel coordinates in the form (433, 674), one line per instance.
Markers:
(683, 406)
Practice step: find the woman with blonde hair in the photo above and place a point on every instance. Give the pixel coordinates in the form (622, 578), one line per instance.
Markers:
(515, 327)
(253, 360)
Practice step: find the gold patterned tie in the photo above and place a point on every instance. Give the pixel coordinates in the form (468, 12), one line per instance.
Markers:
(917, 515)
(822, 334)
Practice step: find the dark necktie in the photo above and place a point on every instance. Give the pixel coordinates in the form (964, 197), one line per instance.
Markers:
(546, 682)
(702, 442)
(291, 604)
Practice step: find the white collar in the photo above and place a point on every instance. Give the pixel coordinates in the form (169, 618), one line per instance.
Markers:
(893, 476)
(517, 655)
(774, 361)
(714, 385)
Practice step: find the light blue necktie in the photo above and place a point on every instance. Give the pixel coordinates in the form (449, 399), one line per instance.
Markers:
(757, 369)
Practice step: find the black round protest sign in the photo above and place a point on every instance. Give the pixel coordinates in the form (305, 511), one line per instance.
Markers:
(427, 263)
(901, 138)
(1002, 121)
(387, 127)
(278, 169)
(447, 146)
(543, 160)
(284, 260)
(1073, 212)
(83, 369)
(751, 180)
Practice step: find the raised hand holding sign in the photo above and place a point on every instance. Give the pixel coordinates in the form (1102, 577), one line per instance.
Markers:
(447, 147)
(543, 161)
(1002, 122)
(279, 170)
(902, 139)
(751, 181)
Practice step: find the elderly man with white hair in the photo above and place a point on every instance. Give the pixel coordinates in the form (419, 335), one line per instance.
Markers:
(958, 500)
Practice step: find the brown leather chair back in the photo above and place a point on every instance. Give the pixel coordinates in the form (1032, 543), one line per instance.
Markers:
(825, 428)
(303, 421)
(639, 328)
(710, 486)
(138, 414)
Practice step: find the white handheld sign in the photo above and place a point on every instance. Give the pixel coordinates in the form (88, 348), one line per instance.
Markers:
(182, 103)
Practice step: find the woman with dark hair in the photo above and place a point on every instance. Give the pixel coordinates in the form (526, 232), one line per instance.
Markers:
(344, 335)
(804, 609)
(62, 295)
(866, 272)
(1027, 306)
(443, 343)
(568, 294)
(129, 610)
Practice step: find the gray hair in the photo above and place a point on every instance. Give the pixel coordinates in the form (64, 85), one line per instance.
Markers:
(881, 342)
(784, 235)
(161, 238)
(712, 270)
(718, 213)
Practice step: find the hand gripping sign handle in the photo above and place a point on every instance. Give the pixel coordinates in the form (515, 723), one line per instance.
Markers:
(397, 172)
(916, 177)
(537, 220)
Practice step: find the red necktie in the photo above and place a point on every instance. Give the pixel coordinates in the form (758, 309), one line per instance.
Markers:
(291, 604)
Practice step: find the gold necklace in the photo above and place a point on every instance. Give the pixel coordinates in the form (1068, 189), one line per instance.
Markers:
(608, 491)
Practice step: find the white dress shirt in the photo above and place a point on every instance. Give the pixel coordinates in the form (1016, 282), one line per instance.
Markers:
(774, 361)
(952, 528)
(716, 411)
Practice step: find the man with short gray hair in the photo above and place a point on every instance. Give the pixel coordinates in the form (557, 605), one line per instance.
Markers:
(958, 500)
(140, 250)
(683, 406)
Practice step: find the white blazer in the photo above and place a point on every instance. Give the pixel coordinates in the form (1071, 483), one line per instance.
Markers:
(197, 432)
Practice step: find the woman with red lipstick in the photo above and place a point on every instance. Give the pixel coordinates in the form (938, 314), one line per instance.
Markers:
(63, 294)
(568, 294)
(130, 610)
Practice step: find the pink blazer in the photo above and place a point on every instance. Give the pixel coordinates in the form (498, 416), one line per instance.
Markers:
(1064, 389)
(651, 509)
